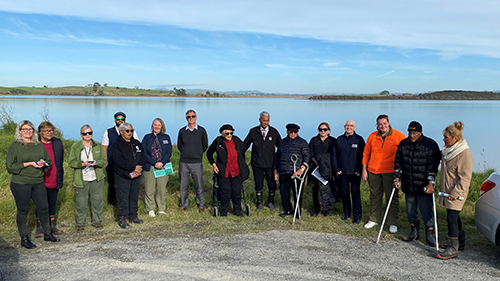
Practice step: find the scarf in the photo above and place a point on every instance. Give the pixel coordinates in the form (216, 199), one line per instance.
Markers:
(452, 151)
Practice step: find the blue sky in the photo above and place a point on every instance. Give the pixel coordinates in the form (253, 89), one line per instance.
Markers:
(272, 46)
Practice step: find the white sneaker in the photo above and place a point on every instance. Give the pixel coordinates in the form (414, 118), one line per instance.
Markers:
(370, 224)
(152, 214)
(162, 213)
(393, 228)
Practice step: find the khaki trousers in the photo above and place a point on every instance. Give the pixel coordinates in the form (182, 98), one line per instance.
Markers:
(155, 189)
(381, 184)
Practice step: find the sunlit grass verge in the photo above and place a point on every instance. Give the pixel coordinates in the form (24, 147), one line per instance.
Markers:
(190, 223)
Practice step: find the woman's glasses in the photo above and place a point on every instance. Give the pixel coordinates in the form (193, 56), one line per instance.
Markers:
(129, 131)
(87, 133)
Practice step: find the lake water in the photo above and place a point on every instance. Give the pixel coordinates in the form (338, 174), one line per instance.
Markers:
(70, 113)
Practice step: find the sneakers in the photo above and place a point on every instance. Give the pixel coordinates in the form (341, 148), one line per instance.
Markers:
(80, 229)
(393, 228)
(162, 213)
(98, 226)
(370, 224)
(152, 213)
(123, 222)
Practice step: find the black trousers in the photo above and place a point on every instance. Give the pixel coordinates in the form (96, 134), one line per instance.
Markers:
(353, 193)
(454, 222)
(230, 189)
(287, 184)
(51, 200)
(23, 193)
(259, 174)
(110, 174)
(127, 196)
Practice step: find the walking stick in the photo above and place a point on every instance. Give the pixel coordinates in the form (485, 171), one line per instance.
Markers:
(435, 222)
(385, 216)
(298, 194)
(294, 159)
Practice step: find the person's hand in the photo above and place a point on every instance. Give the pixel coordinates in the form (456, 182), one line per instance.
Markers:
(87, 163)
(159, 165)
(364, 175)
(396, 183)
(276, 175)
(357, 174)
(339, 173)
(35, 164)
(216, 169)
(300, 171)
(429, 189)
(452, 198)
(138, 170)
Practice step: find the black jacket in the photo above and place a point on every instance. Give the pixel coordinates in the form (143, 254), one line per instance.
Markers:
(348, 154)
(219, 147)
(287, 147)
(416, 163)
(321, 151)
(263, 150)
(127, 155)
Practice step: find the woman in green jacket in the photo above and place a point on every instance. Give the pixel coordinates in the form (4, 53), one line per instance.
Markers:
(27, 161)
(88, 160)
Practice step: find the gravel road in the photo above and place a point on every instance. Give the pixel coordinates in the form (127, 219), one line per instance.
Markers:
(273, 255)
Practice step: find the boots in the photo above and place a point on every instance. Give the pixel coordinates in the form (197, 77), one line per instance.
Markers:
(259, 202)
(270, 199)
(429, 236)
(50, 237)
(451, 251)
(53, 227)
(461, 241)
(39, 232)
(414, 233)
(26, 243)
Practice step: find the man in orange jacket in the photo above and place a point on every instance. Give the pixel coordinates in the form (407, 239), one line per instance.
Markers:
(378, 170)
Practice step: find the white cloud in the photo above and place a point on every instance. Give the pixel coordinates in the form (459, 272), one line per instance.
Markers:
(276, 65)
(329, 64)
(449, 27)
(385, 74)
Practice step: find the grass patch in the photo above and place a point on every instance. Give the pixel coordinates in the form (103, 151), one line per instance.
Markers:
(192, 224)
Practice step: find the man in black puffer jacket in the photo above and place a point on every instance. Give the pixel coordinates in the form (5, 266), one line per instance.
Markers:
(416, 166)
(292, 144)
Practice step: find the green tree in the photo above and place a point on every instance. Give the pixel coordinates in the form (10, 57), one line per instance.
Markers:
(96, 86)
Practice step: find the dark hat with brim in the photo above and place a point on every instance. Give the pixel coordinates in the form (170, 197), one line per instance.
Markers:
(292, 127)
(226, 127)
(414, 127)
(119, 113)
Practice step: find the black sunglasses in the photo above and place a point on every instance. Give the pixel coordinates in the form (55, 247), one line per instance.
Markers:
(229, 133)
(190, 116)
(87, 133)
(129, 131)
(323, 129)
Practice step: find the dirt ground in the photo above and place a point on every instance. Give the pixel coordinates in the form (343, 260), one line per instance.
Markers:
(272, 255)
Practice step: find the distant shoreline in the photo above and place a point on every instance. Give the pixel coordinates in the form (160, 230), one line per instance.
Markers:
(105, 91)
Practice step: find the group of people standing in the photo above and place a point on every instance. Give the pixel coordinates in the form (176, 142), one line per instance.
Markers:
(388, 160)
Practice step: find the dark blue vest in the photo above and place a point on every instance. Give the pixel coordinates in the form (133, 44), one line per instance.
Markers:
(112, 136)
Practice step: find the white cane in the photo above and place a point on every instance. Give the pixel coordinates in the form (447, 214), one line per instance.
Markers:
(385, 216)
(435, 221)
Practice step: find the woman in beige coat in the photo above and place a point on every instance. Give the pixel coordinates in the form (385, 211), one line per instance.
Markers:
(456, 172)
